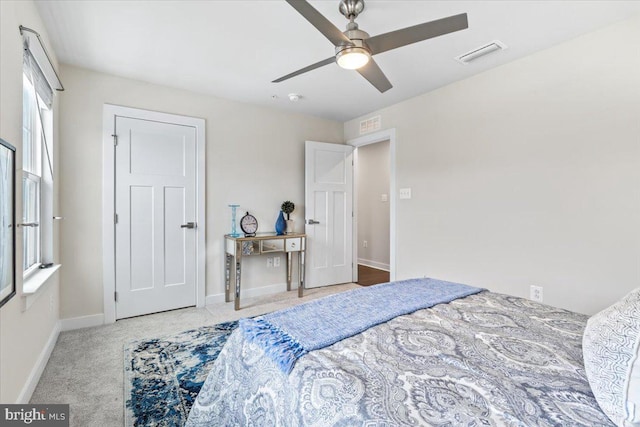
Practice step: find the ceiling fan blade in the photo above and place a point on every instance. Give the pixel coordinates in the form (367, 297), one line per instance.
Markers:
(321, 23)
(305, 69)
(394, 39)
(376, 77)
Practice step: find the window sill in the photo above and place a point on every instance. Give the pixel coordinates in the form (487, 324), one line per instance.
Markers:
(33, 285)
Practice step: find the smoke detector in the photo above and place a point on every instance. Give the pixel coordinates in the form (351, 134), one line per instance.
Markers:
(294, 97)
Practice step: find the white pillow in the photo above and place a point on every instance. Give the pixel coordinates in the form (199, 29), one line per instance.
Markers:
(610, 346)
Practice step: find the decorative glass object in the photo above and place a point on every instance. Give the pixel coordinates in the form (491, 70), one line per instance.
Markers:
(281, 224)
(234, 229)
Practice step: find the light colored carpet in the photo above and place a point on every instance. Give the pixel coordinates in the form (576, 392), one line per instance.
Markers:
(86, 367)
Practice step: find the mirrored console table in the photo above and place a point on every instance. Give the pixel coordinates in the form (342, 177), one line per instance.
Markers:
(236, 248)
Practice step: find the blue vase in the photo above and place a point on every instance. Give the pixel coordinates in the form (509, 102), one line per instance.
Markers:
(281, 224)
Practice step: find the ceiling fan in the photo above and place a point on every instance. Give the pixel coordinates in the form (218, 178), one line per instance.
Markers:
(355, 48)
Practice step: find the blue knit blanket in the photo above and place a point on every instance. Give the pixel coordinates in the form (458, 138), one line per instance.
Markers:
(286, 335)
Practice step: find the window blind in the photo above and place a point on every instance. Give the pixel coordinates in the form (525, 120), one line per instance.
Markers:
(37, 78)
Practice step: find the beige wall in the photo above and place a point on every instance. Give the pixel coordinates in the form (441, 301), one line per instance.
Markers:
(23, 334)
(372, 181)
(255, 157)
(527, 174)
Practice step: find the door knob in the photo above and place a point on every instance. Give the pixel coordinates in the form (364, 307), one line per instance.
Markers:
(312, 222)
(188, 225)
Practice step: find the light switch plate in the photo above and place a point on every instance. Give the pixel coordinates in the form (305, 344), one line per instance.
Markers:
(405, 193)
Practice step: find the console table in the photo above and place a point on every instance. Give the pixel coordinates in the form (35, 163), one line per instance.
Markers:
(263, 243)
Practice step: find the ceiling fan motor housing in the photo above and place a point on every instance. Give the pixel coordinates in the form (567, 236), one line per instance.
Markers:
(357, 38)
(357, 48)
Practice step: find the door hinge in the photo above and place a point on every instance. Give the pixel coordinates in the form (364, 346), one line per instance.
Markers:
(115, 139)
(115, 296)
(115, 218)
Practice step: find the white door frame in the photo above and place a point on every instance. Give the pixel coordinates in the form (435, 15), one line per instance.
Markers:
(372, 138)
(108, 198)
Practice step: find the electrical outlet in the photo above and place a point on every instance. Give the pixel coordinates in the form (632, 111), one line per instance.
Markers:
(365, 244)
(384, 198)
(276, 262)
(536, 293)
(269, 262)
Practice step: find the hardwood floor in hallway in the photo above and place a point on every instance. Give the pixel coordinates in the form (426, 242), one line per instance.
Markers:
(368, 276)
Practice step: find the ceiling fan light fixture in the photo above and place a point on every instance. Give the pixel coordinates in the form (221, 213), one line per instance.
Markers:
(352, 58)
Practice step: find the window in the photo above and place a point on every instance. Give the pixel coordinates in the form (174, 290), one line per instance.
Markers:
(36, 164)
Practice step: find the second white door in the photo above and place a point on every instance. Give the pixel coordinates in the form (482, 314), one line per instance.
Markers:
(156, 212)
(328, 213)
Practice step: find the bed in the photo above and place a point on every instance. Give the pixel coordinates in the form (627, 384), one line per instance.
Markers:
(483, 360)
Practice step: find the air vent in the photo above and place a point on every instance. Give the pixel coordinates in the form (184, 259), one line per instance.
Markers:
(478, 52)
(370, 125)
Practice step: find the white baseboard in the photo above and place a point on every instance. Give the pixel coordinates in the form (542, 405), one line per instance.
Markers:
(82, 322)
(374, 264)
(214, 299)
(38, 368)
(252, 292)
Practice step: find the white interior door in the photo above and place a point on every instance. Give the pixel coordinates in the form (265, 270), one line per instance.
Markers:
(155, 199)
(328, 213)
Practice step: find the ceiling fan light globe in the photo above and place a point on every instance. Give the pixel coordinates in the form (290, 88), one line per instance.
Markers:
(353, 58)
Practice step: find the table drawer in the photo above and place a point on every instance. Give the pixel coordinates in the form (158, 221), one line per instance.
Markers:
(293, 245)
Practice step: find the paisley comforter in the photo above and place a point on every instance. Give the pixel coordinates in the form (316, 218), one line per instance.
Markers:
(484, 360)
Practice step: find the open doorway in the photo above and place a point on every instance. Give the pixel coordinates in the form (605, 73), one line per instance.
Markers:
(373, 188)
(361, 141)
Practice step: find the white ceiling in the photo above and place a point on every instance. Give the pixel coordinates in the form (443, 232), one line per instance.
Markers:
(234, 49)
